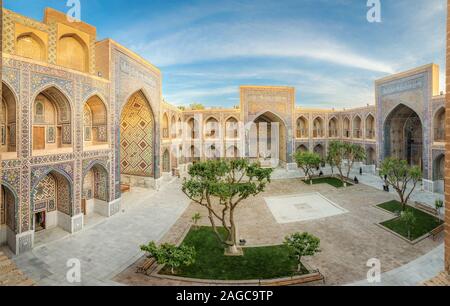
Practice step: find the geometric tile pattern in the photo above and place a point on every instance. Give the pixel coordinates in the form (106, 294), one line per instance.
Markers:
(44, 192)
(136, 137)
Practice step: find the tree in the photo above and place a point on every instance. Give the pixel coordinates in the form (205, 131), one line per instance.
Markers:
(338, 152)
(220, 186)
(409, 219)
(438, 204)
(398, 174)
(197, 106)
(308, 162)
(171, 255)
(302, 244)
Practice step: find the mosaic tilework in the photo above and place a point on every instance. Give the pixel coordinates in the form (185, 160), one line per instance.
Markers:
(44, 192)
(137, 137)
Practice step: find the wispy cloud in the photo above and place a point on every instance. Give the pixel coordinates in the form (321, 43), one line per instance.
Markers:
(255, 39)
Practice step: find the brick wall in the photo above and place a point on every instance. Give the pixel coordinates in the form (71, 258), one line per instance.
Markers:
(447, 163)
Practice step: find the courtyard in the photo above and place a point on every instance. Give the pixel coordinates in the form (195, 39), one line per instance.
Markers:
(347, 227)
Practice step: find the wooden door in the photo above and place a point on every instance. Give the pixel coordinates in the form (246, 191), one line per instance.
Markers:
(83, 206)
(38, 138)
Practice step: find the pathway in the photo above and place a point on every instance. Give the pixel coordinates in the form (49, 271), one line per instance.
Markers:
(110, 246)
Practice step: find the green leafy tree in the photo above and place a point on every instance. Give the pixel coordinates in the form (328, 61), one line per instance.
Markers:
(302, 244)
(171, 255)
(409, 219)
(220, 186)
(398, 174)
(197, 106)
(338, 152)
(308, 162)
(438, 204)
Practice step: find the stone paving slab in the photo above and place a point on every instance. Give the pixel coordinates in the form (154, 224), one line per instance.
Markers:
(110, 246)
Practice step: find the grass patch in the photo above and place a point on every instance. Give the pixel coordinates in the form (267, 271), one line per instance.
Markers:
(335, 182)
(425, 223)
(257, 263)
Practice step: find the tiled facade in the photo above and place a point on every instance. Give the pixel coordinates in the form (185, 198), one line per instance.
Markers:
(138, 138)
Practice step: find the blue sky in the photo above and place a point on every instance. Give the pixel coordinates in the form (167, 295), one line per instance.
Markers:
(325, 48)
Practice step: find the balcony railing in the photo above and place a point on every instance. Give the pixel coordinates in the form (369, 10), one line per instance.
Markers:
(333, 133)
(346, 133)
(302, 133)
(317, 133)
(357, 133)
(165, 133)
(370, 134)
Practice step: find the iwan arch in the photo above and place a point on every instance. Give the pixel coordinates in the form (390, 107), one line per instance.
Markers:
(82, 120)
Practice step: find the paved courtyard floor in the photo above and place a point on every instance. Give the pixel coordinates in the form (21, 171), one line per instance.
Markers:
(348, 240)
(106, 248)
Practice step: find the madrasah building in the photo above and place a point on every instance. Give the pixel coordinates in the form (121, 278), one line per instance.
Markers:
(81, 120)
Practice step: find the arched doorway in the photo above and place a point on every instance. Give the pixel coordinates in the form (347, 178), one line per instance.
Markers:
(166, 161)
(302, 127)
(95, 190)
(137, 137)
(95, 126)
(8, 201)
(231, 128)
(439, 125)
(333, 128)
(165, 126)
(52, 121)
(371, 156)
(346, 127)
(193, 128)
(403, 135)
(370, 127)
(269, 139)
(439, 173)
(302, 148)
(318, 128)
(211, 128)
(51, 202)
(357, 127)
(8, 124)
(319, 150)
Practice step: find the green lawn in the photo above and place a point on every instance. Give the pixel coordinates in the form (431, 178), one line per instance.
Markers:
(335, 182)
(425, 223)
(257, 263)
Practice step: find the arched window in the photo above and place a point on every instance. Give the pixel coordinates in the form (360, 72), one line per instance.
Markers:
(212, 128)
(370, 127)
(165, 126)
(8, 125)
(333, 128)
(73, 53)
(52, 122)
(318, 127)
(231, 128)
(439, 125)
(357, 128)
(302, 128)
(95, 126)
(30, 46)
(346, 132)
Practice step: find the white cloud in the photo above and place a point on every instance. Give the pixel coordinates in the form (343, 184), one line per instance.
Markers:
(254, 39)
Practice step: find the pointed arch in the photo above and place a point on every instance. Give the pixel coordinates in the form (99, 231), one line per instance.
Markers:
(137, 138)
